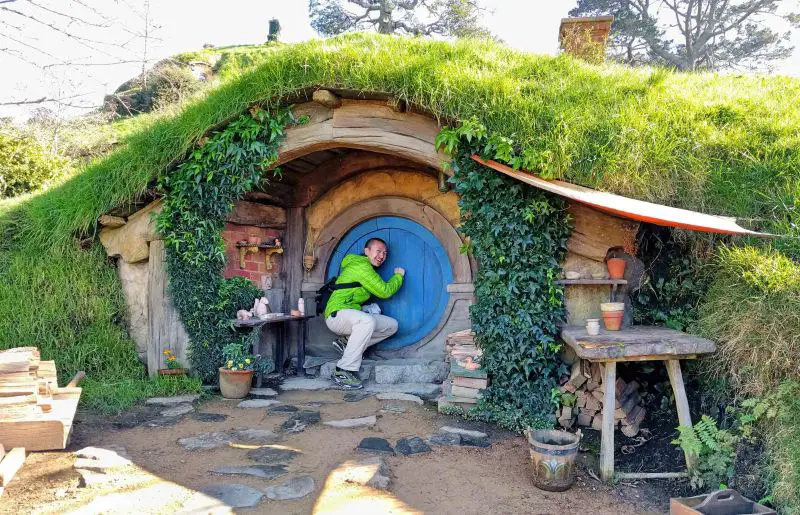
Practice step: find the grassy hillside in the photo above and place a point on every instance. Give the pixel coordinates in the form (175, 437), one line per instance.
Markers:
(721, 144)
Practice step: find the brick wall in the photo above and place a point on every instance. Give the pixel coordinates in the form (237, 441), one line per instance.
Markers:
(255, 266)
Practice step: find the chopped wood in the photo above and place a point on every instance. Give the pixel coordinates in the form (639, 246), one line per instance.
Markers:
(630, 388)
(2, 452)
(576, 377)
(635, 417)
(592, 385)
(626, 407)
(597, 422)
(580, 400)
(584, 420)
(566, 412)
(630, 431)
(566, 423)
(586, 368)
(568, 388)
(470, 382)
(599, 395)
(11, 463)
(592, 403)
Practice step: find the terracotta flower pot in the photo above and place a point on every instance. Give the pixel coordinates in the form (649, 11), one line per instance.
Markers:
(612, 315)
(616, 268)
(235, 384)
(172, 371)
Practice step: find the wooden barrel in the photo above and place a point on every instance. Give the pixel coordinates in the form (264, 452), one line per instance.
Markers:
(553, 458)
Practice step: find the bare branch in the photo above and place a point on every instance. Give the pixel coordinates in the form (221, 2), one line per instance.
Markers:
(68, 16)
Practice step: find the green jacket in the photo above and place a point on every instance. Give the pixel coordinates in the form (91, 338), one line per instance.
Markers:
(356, 268)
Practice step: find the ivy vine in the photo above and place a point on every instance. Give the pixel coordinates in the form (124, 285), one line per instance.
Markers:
(198, 195)
(518, 235)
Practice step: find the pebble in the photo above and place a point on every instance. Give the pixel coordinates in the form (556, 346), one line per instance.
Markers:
(295, 488)
(255, 435)
(257, 403)
(414, 445)
(372, 444)
(263, 392)
(273, 454)
(353, 422)
(397, 396)
(234, 495)
(205, 441)
(300, 420)
(464, 432)
(171, 401)
(261, 471)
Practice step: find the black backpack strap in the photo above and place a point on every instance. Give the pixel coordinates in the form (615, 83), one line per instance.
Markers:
(345, 286)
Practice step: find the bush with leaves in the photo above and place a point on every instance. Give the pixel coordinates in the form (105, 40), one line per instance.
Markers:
(25, 165)
(713, 448)
(199, 193)
(518, 236)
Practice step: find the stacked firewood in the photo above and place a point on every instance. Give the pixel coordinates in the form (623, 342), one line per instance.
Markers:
(26, 383)
(583, 395)
(466, 379)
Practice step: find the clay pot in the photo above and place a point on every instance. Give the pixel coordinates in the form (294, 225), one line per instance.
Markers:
(235, 384)
(612, 315)
(172, 371)
(616, 268)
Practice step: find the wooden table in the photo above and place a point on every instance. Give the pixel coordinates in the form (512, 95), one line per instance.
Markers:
(636, 343)
(280, 347)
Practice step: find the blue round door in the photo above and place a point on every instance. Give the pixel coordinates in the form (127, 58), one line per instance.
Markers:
(421, 301)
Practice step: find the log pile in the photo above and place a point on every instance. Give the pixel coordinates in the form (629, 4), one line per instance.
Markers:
(586, 385)
(26, 383)
(466, 379)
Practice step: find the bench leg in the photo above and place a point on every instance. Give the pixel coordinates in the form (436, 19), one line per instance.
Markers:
(607, 433)
(681, 402)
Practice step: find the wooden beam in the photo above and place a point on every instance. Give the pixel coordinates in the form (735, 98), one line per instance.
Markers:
(326, 98)
(651, 475)
(111, 221)
(607, 434)
(292, 266)
(11, 463)
(681, 402)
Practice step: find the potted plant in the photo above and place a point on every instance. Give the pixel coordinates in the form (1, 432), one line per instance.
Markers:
(236, 375)
(173, 366)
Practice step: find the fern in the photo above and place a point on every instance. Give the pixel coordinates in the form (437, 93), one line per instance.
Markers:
(706, 430)
(714, 449)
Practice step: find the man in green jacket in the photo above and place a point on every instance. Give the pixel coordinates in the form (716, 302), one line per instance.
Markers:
(343, 313)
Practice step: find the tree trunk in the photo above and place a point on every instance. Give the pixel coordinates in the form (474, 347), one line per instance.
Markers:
(385, 25)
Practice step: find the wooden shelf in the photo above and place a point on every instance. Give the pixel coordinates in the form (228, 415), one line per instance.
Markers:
(613, 282)
(260, 246)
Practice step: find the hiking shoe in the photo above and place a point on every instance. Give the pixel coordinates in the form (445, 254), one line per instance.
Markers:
(346, 379)
(339, 344)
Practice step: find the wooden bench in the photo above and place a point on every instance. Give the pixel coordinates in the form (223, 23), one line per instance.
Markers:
(636, 343)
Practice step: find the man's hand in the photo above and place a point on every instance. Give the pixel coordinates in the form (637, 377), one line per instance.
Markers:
(401, 271)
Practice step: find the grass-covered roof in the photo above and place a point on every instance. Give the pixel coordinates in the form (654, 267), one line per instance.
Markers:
(720, 144)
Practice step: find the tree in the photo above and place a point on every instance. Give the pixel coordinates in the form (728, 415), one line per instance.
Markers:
(24, 165)
(694, 34)
(459, 18)
(274, 30)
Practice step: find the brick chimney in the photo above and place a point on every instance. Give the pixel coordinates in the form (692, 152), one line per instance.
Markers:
(585, 38)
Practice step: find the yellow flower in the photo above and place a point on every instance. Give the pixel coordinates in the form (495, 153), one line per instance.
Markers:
(172, 358)
(167, 352)
(247, 361)
(230, 364)
(240, 366)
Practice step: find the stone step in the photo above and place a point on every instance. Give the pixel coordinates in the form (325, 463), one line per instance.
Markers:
(427, 391)
(390, 371)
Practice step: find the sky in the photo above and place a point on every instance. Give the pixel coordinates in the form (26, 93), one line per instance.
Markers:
(116, 34)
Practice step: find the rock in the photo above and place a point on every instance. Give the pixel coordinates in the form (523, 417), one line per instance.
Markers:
(161, 422)
(91, 477)
(396, 396)
(463, 432)
(209, 417)
(365, 372)
(371, 471)
(283, 408)
(317, 361)
(372, 444)
(300, 420)
(444, 439)
(295, 488)
(356, 396)
(99, 459)
(408, 371)
(471, 441)
(111, 221)
(305, 384)
(409, 446)
(177, 411)
(255, 435)
(257, 403)
(273, 454)
(172, 401)
(353, 422)
(261, 471)
(205, 441)
(130, 242)
(327, 98)
(234, 495)
(422, 390)
(263, 392)
(393, 408)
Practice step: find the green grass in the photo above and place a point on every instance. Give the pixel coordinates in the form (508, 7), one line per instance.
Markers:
(722, 144)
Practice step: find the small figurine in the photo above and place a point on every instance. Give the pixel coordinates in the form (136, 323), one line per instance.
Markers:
(277, 242)
(260, 307)
(243, 314)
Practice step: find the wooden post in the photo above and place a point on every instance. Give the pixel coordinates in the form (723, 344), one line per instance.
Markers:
(607, 433)
(292, 266)
(681, 402)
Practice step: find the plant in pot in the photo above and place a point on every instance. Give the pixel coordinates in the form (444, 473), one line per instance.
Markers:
(172, 366)
(236, 375)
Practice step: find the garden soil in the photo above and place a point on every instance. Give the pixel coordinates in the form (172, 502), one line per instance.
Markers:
(449, 480)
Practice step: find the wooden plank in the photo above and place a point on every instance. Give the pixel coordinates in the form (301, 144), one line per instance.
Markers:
(292, 270)
(49, 431)
(166, 330)
(470, 382)
(651, 475)
(681, 402)
(607, 436)
(11, 463)
(635, 343)
(255, 214)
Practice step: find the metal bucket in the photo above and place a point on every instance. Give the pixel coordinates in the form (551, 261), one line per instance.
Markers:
(553, 458)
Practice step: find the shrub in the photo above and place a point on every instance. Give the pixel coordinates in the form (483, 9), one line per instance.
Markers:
(752, 311)
(25, 165)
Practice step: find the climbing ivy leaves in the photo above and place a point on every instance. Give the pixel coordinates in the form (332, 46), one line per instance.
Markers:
(518, 236)
(199, 193)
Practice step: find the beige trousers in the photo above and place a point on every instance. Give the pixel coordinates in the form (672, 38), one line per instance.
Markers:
(363, 330)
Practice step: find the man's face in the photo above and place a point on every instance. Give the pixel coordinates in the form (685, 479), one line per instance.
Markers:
(376, 253)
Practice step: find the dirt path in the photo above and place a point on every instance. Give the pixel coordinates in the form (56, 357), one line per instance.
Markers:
(449, 480)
